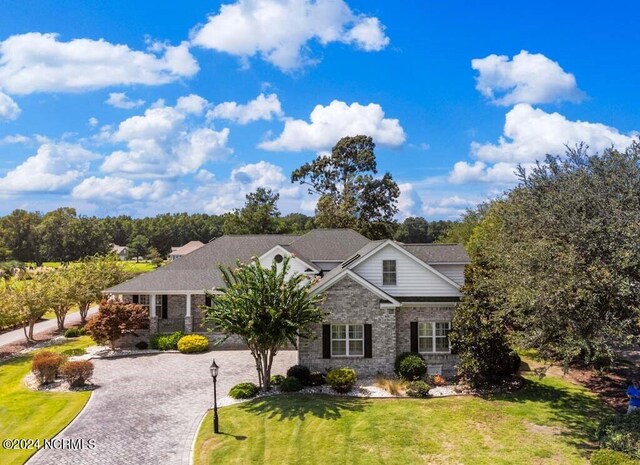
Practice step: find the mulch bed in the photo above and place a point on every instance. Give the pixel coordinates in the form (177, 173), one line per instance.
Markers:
(610, 387)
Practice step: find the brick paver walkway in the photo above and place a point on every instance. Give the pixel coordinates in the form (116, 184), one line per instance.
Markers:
(147, 408)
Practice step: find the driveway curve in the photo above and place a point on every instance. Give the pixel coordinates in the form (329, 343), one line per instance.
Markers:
(147, 408)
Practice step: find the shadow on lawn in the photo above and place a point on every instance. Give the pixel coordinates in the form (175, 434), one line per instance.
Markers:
(292, 407)
(577, 412)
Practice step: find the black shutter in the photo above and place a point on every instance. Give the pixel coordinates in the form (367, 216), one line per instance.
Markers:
(326, 341)
(165, 309)
(414, 336)
(207, 301)
(367, 341)
(135, 299)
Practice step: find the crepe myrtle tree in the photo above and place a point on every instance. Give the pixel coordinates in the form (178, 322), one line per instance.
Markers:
(267, 307)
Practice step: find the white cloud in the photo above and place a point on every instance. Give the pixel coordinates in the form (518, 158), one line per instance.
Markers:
(280, 31)
(500, 173)
(328, 124)
(409, 202)
(263, 107)
(9, 109)
(14, 139)
(93, 121)
(53, 168)
(531, 133)
(110, 188)
(527, 78)
(36, 62)
(121, 100)
(165, 141)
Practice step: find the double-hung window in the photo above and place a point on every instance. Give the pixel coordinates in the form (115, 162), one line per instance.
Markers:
(389, 273)
(433, 336)
(160, 311)
(143, 301)
(347, 340)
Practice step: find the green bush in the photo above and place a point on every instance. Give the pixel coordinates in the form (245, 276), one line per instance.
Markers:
(77, 373)
(166, 341)
(45, 365)
(621, 433)
(317, 379)
(193, 344)
(612, 457)
(73, 332)
(244, 391)
(410, 366)
(301, 372)
(277, 380)
(342, 379)
(290, 384)
(418, 389)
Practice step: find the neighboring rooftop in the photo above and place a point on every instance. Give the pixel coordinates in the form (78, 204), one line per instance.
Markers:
(438, 253)
(186, 249)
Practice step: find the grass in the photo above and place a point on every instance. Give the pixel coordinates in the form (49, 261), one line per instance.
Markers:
(549, 421)
(26, 414)
(138, 268)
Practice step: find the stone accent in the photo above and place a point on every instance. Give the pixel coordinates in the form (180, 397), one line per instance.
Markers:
(405, 315)
(129, 340)
(153, 324)
(349, 302)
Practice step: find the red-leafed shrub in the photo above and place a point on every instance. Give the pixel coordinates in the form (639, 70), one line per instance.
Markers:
(77, 373)
(46, 364)
(114, 319)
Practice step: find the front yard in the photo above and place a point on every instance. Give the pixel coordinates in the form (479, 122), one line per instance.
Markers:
(550, 421)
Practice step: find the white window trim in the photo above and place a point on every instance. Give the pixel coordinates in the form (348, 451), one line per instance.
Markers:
(395, 273)
(146, 306)
(159, 306)
(433, 338)
(346, 340)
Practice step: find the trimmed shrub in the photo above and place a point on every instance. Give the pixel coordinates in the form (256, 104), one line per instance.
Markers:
(166, 341)
(73, 332)
(142, 345)
(301, 372)
(418, 389)
(317, 379)
(410, 366)
(46, 365)
(291, 384)
(244, 391)
(612, 457)
(342, 379)
(77, 373)
(193, 344)
(621, 433)
(276, 380)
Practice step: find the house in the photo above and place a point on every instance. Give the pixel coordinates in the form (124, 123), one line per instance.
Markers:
(121, 251)
(177, 252)
(382, 297)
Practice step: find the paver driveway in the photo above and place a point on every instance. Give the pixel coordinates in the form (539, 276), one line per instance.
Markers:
(147, 408)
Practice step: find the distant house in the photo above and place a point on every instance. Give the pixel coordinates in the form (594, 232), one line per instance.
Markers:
(121, 251)
(177, 252)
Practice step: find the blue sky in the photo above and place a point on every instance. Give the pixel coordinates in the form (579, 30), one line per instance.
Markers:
(146, 107)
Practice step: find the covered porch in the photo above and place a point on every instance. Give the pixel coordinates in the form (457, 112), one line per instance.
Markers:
(172, 312)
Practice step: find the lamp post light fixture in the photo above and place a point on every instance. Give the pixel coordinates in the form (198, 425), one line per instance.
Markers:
(214, 375)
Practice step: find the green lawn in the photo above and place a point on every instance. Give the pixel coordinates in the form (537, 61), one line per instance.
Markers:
(25, 414)
(548, 422)
(138, 268)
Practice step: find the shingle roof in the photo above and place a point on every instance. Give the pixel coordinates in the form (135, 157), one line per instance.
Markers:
(187, 248)
(329, 244)
(438, 253)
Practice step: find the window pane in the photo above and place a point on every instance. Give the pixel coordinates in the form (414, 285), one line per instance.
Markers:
(339, 347)
(158, 301)
(441, 329)
(442, 344)
(356, 348)
(424, 329)
(143, 299)
(425, 344)
(338, 332)
(355, 332)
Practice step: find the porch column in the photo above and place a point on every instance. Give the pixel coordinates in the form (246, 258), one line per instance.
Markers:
(188, 319)
(153, 317)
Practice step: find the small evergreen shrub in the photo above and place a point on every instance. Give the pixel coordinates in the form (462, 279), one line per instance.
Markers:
(244, 391)
(291, 384)
(166, 341)
(193, 344)
(317, 379)
(621, 433)
(301, 372)
(77, 373)
(276, 380)
(418, 389)
(410, 366)
(73, 332)
(612, 457)
(142, 345)
(45, 365)
(342, 379)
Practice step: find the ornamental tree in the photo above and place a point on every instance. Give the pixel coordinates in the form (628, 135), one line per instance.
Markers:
(266, 308)
(115, 319)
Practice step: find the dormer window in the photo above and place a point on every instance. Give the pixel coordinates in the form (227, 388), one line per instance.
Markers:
(389, 273)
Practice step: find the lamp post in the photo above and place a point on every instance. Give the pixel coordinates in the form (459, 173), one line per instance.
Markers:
(214, 374)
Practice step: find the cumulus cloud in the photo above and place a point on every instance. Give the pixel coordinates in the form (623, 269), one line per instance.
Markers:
(329, 123)
(526, 78)
(281, 31)
(36, 62)
(14, 139)
(531, 133)
(409, 202)
(166, 141)
(110, 188)
(9, 109)
(500, 173)
(448, 207)
(121, 100)
(54, 168)
(263, 107)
